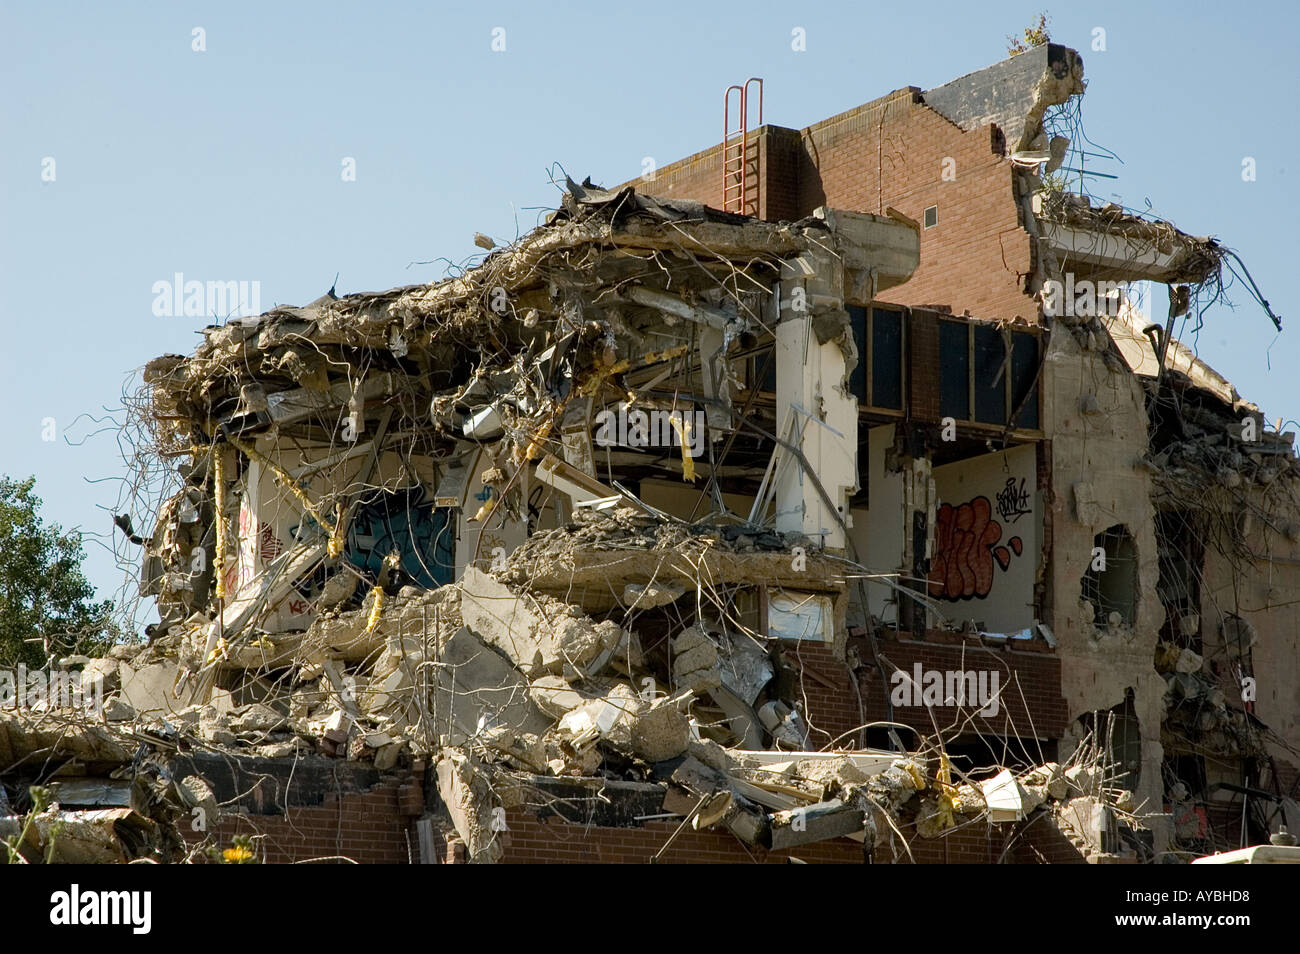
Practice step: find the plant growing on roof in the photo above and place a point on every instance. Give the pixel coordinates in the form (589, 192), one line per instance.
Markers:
(1034, 35)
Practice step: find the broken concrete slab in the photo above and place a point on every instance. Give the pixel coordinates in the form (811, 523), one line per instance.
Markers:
(476, 814)
(148, 689)
(811, 823)
(649, 595)
(97, 836)
(554, 696)
(695, 660)
(540, 636)
(478, 689)
(26, 735)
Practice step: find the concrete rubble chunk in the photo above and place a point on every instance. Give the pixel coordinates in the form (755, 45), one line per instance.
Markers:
(476, 813)
(386, 693)
(213, 729)
(278, 750)
(695, 660)
(650, 595)
(477, 689)
(609, 717)
(661, 731)
(554, 696)
(148, 689)
(835, 773)
(387, 756)
(116, 709)
(709, 752)
(538, 634)
(1090, 819)
(1189, 662)
(1050, 777)
(257, 719)
(896, 784)
(197, 793)
(654, 730)
(103, 672)
(1082, 779)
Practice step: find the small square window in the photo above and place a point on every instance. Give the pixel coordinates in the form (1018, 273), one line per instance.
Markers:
(931, 216)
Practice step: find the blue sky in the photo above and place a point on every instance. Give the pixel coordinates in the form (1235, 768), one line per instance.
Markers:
(226, 164)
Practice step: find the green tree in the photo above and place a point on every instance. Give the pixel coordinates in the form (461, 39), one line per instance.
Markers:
(46, 603)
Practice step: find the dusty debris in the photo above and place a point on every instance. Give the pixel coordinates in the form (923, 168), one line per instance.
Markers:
(539, 635)
(477, 815)
(284, 628)
(695, 660)
(557, 521)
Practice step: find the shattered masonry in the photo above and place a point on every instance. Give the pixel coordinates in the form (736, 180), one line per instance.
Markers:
(403, 563)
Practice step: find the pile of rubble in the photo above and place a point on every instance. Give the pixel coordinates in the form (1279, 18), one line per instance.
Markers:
(1195, 704)
(500, 688)
(1231, 445)
(106, 793)
(391, 543)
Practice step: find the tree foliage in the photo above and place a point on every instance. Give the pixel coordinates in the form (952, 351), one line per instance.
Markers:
(47, 606)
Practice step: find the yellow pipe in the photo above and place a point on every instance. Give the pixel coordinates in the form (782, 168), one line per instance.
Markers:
(219, 501)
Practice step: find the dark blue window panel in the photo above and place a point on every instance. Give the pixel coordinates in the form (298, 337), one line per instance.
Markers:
(887, 358)
(990, 395)
(1024, 367)
(953, 370)
(769, 376)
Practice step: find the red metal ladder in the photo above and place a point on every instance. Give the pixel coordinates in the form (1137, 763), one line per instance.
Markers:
(739, 154)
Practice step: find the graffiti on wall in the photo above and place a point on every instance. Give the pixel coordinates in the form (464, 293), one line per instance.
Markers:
(1013, 500)
(406, 523)
(968, 543)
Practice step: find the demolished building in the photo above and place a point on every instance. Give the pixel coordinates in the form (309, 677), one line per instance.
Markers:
(811, 525)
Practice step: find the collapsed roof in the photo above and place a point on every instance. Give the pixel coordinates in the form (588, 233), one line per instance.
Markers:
(330, 585)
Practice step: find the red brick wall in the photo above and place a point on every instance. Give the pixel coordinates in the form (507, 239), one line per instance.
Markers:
(698, 177)
(891, 153)
(367, 828)
(923, 389)
(782, 164)
(370, 829)
(1031, 700)
(530, 840)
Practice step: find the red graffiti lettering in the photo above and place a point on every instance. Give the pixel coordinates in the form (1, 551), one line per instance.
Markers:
(966, 547)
